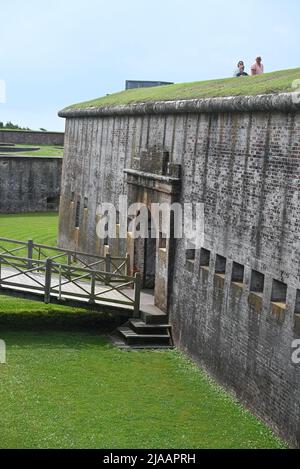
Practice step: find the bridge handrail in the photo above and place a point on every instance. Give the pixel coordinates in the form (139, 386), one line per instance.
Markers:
(25, 259)
(14, 241)
(53, 248)
(65, 266)
(49, 265)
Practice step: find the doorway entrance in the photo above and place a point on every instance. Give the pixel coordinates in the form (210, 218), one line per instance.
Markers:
(149, 260)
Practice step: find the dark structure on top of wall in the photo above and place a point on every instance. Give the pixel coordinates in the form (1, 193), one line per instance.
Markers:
(234, 304)
(31, 138)
(132, 84)
(29, 183)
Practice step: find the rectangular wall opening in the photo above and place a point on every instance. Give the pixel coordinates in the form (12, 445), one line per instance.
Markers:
(257, 282)
(297, 304)
(86, 203)
(238, 273)
(220, 265)
(190, 256)
(77, 215)
(279, 292)
(297, 313)
(52, 203)
(162, 241)
(204, 258)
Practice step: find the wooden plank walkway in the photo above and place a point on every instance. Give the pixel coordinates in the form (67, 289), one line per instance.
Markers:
(146, 297)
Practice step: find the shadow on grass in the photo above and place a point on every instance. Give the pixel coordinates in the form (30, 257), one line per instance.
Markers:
(98, 322)
(56, 339)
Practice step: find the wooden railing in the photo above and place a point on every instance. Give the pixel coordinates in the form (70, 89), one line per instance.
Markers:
(80, 276)
(33, 251)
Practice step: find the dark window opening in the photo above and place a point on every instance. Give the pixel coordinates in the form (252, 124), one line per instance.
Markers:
(297, 305)
(279, 292)
(149, 259)
(73, 197)
(162, 241)
(257, 282)
(52, 203)
(238, 272)
(204, 258)
(220, 265)
(86, 203)
(77, 215)
(191, 253)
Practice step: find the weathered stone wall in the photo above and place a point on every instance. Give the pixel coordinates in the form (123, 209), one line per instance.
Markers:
(29, 184)
(241, 158)
(31, 138)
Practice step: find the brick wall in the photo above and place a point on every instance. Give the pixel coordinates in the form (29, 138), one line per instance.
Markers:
(29, 184)
(243, 162)
(31, 138)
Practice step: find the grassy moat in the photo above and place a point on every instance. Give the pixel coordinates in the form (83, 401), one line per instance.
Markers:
(65, 385)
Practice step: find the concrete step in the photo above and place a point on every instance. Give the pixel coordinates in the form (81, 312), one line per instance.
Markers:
(133, 339)
(150, 314)
(121, 344)
(140, 327)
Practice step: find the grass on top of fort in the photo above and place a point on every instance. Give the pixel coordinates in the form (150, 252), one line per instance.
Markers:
(275, 82)
(66, 386)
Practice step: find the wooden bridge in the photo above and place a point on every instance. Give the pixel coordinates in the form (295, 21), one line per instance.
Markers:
(55, 275)
(52, 274)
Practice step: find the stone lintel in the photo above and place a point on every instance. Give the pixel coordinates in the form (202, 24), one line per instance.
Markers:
(156, 182)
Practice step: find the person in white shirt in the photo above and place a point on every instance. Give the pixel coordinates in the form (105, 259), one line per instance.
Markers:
(258, 67)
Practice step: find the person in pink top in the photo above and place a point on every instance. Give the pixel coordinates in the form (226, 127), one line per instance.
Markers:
(258, 67)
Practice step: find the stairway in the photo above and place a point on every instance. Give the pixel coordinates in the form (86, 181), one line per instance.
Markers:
(152, 331)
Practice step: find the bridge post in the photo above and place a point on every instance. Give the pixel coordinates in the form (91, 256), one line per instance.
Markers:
(128, 270)
(107, 268)
(137, 295)
(48, 281)
(93, 288)
(30, 253)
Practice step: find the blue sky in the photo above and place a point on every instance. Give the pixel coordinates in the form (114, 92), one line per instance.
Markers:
(58, 52)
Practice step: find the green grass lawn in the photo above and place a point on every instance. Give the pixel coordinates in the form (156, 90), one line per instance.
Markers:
(65, 386)
(274, 82)
(74, 390)
(40, 227)
(44, 150)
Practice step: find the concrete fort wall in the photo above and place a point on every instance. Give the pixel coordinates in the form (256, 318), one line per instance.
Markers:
(29, 184)
(31, 138)
(235, 304)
